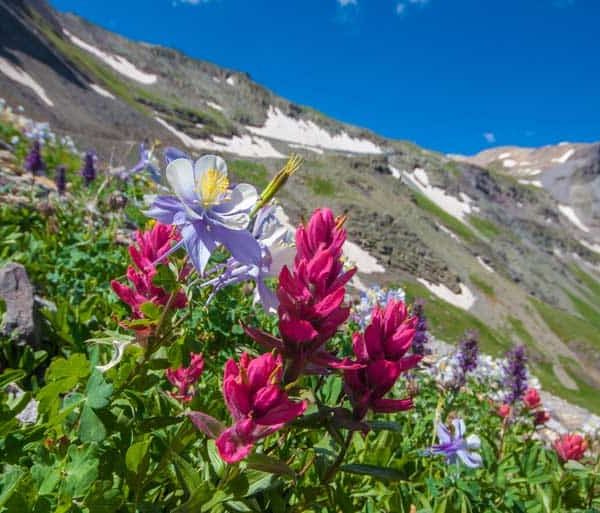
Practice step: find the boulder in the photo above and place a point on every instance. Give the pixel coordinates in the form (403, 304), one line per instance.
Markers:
(18, 295)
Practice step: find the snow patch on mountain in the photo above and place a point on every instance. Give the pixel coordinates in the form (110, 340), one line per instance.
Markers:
(102, 92)
(285, 128)
(365, 262)
(215, 106)
(535, 183)
(566, 156)
(116, 62)
(244, 146)
(465, 300)
(484, 265)
(318, 151)
(570, 214)
(456, 207)
(25, 79)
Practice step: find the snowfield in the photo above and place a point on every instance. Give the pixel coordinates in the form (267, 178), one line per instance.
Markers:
(319, 151)
(307, 133)
(116, 62)
(365, 262)
(570, 214)
(244, 146)
(535, 183)
(465, 300)
(215, 106)
(25, 79)
(456, 207)
(566, 156)
(102, 92)
(484, 265)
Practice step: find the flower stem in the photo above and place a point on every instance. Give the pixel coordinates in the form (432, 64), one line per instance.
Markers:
(338, 461)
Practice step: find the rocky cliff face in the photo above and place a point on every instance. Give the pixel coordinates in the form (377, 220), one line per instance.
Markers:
(507, 241)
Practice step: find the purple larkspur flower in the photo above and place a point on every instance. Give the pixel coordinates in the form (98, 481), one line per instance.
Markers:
(515, 374)
(457, 447)
(467, 356)
(88, 171)
(421, 337)
(61, 179)
(276, 251)
(207, 211)
(33, 161)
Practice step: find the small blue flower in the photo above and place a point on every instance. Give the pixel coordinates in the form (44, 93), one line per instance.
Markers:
(207, 211)
(457, 447)
(148, 162)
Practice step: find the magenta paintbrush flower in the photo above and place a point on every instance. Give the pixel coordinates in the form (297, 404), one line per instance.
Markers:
(258, 405)
(184, 378)
(381, 350)
(311, 298)
(151, 246)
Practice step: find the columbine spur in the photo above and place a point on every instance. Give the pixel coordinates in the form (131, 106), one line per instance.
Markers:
(455, 447)
(207, 211)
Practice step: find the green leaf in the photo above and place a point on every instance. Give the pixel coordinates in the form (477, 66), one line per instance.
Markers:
(381, 473)
(91, 428)
(137, 457)
(151, 310)
(77, 366)
(80, 472)
(216, 462)
(11, 376)
(165, 278)
(98, 390)
(188, 475)
(266, 463)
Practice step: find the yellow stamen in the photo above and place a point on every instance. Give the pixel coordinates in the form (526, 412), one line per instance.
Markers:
(211, 185)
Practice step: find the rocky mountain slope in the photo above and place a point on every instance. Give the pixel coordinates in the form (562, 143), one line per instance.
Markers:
(489, 241)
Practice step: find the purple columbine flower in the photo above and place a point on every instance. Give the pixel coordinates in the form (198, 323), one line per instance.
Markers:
(456, 447)
(421, 337)
(207, 211)
(276, 251)
(515, 374)
(61, 179)
(88, 172)
(33, 161)
(148, 162)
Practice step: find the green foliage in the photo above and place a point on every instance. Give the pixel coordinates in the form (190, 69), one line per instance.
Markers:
(485, 226)
(450, 222)
(320, 186)
(250, 172)
(482, 285)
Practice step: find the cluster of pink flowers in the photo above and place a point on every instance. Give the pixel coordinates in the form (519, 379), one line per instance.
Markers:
(532, 403)
(381, 350)
(184, 378)
(311, 298)
(152, 248)
(570, 447)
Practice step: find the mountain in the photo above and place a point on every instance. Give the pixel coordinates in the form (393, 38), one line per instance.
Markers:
(506, 242)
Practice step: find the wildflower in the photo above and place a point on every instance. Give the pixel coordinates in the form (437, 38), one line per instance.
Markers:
(421, 337)
(504, 410)
(88, 172)
(311, 298)
(183, 378)
(61, 179)
(455, 447)
(372, 297)
(275, 253)
(33, 161)
(570, 447)
(257, 403)
(541, 417)
(147, 162)
(467, 355)
(152, 247)
(207, 211)
(381, 350)
(515, 374)
(531, 399)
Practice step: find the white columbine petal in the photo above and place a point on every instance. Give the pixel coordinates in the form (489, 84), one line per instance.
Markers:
(119, 350)
(459, 428)
(207, 162)
(473, 442)
(180, 175)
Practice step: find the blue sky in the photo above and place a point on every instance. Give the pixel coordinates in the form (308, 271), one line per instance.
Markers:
(451, 75)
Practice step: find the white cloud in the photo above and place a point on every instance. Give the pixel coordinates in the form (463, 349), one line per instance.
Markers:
(400, 8)
(489, 137)
(346, 3)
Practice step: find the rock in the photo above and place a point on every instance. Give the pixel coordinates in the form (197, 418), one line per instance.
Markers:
(17, 292)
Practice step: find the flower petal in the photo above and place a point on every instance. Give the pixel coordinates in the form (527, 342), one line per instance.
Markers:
(470, 459)
(443, 434)
(210, 426)
(180, 175)
(232, 447)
